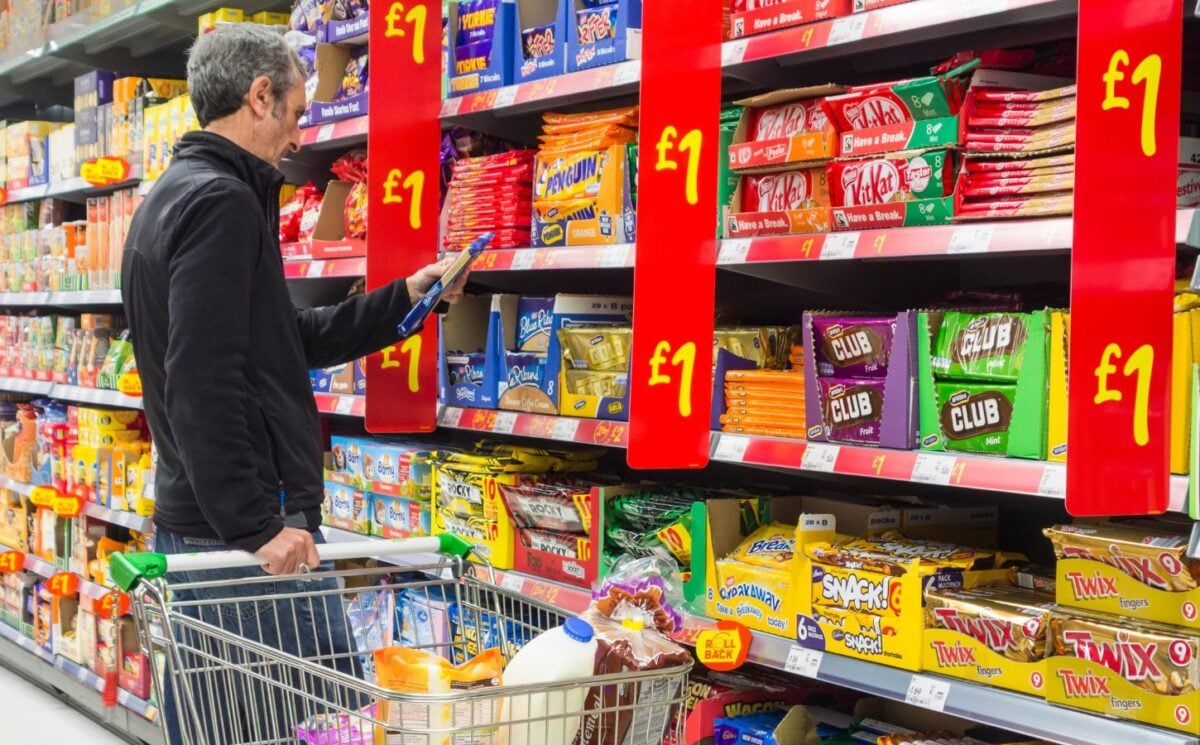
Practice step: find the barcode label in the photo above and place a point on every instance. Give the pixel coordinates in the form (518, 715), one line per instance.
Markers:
(731, 448)
(820, 457)
(967, 239)
(839, 246)
(734, 251)
(933, 469)
(325, 133)
(806, 662)
(928, 693)
(506, 96)
(523, 259)
(1053, 483)
(565, 429)
(506, 422)
(451, 416)
(847, 29)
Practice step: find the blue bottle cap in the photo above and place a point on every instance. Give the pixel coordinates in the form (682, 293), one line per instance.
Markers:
(578, 629)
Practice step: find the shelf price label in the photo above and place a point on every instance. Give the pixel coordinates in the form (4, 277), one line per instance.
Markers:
(63, 584)
(130, 384)
(403, 135)
(670, 390)
(67, 505)
(43, 496)
(12, 561)
(1127, 122)
(104, 171)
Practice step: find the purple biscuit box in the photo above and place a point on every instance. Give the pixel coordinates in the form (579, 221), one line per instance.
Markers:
(473, 58)
(596, 24)
(535, 316)
(853, 346)
(852, 409)
(538, 41)
(476, 21)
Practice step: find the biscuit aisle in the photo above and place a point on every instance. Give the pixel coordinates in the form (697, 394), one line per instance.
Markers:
(878, 549)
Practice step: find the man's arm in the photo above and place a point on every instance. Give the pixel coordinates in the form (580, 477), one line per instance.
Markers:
(207, 395)
(364, 324)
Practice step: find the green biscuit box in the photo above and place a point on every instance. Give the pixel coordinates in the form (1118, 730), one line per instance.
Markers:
(960, 408)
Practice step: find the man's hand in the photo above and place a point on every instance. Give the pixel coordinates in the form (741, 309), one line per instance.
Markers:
(285, 552)
(420, 282)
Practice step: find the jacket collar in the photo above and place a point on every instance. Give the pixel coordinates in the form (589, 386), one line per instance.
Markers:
(264, 178)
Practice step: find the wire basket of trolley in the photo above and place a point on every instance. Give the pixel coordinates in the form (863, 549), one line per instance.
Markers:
(425, 649)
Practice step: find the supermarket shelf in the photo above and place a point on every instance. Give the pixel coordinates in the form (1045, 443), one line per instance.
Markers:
(62, 299)
(96, 396)
(75, 189)
(14, 485)
(896, 26)
(341, 404)
(317, 250)
(319, 269)
(535, 259)
(129, 520)
(342, 133)
(133, 718)
(585, 85)
(978, 703)
(1009, 475)
(560, 428)
(989, 238)
(22, 385)
(984, 704)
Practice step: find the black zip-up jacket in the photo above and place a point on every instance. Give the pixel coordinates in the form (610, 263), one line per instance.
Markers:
(224, 355)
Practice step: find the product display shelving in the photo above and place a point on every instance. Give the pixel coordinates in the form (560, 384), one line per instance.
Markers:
(880, 38)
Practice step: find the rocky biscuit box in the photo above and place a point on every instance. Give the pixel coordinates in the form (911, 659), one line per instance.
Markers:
(983, 382)
(795, 201)
(783, 127)
(1138, 671)
(751, 17)
(582, 198)
(485, 521)
(1140, 573)
(993, 635)
(859, 378)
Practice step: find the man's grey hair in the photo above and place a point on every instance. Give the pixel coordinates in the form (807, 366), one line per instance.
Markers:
(224, 63)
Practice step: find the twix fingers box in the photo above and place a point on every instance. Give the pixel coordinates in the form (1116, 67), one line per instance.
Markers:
(991, 635)
(1135, 572)
(1143, 672)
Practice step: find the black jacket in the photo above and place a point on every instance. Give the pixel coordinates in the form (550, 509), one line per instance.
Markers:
(224, 355)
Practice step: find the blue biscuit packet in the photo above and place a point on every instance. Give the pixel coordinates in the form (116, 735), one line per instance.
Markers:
(538, 41)
(534, 318)
(596, 24)
(476, 21)
(473, 58)
(466, 368)
(525, 369)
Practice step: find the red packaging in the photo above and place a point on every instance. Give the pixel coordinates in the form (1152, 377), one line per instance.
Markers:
(1021, 165)
(1036, 206)
(1015, 96)
(901, 178)
(872, 106)
(787, 190)
(292, 212)
(789, 119)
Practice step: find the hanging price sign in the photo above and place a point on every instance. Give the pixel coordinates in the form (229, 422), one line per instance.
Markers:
(130, 384)
(112, 605)
(67, 506)
(43, 496)
(1123, 256)
(725, 647)
(104, 171)
(12, 561)
(402, 147)
(670, 382)
(63, 584)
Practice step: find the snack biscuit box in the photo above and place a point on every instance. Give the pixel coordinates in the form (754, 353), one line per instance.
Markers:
(348, 508)
(1108, 665)
(399, 517)
(795, 201)
(468, 503)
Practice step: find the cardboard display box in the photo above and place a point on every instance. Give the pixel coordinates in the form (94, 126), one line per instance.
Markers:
(331, 69)
(615, 39)
(489, 64)
(748, 154)
(551, 16)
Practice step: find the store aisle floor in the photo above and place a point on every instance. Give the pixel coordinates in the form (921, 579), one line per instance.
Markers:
(40, 717)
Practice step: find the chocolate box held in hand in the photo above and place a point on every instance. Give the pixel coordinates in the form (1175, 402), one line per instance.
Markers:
(885, 415)
(1004, 416)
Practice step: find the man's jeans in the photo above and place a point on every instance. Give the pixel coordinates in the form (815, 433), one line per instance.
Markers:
(233, 696)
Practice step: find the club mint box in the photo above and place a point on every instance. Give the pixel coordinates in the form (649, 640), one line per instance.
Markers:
(604, 35)
(488, 63)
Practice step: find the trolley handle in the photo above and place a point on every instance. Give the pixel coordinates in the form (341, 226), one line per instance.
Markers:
(127, 570)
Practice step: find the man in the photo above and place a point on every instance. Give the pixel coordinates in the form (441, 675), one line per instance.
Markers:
(224, 359)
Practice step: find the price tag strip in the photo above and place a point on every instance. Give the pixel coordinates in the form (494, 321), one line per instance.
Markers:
(819, 456)
(927, 692)
(931, 468)
(731, 448)
(804, 662)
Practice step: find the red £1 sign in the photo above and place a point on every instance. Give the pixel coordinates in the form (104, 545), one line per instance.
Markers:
(1123, 256)
(402, 148)
(670, 386)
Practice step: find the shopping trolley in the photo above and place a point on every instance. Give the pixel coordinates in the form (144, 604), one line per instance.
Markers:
(211, 650)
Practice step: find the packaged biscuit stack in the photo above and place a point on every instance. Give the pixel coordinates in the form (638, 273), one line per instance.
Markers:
(767, 400)
(582, 189)
(597, 359)
(989, 383)
(851, 360)
(1019, 147)
(492, 193)
(651, 520)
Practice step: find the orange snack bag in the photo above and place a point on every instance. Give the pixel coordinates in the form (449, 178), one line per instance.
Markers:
(413, 671)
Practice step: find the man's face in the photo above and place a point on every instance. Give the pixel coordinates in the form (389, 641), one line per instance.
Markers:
(282, 127)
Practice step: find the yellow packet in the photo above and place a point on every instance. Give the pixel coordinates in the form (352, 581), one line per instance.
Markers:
(414, 671)
(772, 545)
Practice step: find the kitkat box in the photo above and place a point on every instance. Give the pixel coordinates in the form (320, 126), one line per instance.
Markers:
(892, 191)
(760, 16)
(795, 201)
(782, 128)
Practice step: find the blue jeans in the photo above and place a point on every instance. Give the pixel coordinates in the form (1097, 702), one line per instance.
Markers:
(233, 695)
